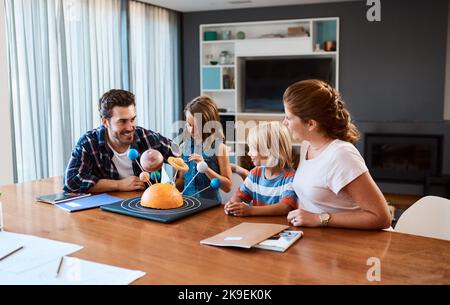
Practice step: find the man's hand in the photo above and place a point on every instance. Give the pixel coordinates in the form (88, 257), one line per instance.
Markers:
(131, 183)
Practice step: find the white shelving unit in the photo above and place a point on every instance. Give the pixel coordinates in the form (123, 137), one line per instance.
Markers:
(262, 39)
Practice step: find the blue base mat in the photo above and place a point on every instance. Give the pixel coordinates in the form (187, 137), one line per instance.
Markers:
(132, 207)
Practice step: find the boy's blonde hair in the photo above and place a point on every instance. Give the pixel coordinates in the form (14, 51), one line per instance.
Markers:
(272, 140)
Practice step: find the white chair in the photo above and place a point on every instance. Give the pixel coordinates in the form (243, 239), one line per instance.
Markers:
(429, 217)
(236, 181)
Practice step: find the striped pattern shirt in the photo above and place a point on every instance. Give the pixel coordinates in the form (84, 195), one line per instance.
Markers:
(92, 157)
(259, 191)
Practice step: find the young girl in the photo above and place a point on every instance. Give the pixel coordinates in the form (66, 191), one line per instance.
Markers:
(268, 188)
(203, 141)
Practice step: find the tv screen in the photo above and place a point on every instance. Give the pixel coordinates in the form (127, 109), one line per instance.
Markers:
(265, 80)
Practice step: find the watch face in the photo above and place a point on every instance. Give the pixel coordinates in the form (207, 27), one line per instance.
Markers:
(324, 217)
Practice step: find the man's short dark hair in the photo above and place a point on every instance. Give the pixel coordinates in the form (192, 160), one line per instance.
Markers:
(112, 98)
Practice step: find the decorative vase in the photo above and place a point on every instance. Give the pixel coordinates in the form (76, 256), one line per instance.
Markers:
(240, 35)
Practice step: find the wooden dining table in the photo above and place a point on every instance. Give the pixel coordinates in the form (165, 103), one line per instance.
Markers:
(172, 253)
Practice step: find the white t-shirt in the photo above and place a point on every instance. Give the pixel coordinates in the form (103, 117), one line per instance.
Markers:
(123, 164)
(318, 181)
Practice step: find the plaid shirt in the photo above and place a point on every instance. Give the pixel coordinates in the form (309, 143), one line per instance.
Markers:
(92, 158)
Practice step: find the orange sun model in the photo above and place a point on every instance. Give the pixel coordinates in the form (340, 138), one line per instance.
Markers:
(165, 196)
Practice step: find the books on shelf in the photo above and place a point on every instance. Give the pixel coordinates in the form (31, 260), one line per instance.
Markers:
(256, 235)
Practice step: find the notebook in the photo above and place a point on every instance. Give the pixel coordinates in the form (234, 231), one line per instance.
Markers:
(280, 242)
(61, 197)
(88, 202)
(245, 235)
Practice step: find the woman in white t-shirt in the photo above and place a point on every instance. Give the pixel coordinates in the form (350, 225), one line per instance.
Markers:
(332, 182)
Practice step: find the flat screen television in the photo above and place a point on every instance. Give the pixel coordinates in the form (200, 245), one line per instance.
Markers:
(265, 79)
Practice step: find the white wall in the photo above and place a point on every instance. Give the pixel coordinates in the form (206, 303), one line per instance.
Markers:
(6, 164)
(447, 74)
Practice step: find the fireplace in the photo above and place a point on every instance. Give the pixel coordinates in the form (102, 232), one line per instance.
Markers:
(403, 158)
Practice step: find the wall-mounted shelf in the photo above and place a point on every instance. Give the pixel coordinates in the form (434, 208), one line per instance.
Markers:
(222, 66)
(219, 90)
(219, 41)
(298, 38)
(260, 114)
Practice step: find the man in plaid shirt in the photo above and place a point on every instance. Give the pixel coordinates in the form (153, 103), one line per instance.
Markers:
(100, 162)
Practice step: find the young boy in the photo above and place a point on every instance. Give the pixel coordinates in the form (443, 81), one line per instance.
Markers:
(267, 190)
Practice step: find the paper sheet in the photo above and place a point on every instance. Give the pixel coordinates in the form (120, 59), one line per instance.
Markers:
(165, 177)
(8, 246)
(36, 252)
(73, 271)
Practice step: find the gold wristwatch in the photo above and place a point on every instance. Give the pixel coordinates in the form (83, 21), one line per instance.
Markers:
(324, 219)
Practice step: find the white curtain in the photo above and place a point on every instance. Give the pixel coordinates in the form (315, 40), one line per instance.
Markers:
(154, 69)
(63, 55)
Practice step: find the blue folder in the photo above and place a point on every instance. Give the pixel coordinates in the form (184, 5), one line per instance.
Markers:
(87, 202)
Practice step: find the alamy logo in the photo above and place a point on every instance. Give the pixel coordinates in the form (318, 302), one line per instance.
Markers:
(374, 272)
(374, 12)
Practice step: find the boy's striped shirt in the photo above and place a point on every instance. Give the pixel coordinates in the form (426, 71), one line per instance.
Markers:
(259, 191)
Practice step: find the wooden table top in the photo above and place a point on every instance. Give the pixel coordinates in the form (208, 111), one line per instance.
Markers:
(172, 253)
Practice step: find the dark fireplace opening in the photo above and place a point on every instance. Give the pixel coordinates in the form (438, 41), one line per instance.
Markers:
(403, 158)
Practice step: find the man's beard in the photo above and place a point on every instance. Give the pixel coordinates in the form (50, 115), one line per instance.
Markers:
(123, 139)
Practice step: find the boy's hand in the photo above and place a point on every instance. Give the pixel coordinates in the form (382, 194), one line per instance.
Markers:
(226, 206)
(239, 209)
(197, 158)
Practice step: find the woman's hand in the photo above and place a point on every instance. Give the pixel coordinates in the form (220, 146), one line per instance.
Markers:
(239, 209)
(303, 218)
(197, 158)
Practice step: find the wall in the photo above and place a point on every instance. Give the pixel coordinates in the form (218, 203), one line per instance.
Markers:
(6, 167)
(392, 73)
(447, 74)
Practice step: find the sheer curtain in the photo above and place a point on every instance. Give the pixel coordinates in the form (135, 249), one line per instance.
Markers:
(63, 54)
(154, 66)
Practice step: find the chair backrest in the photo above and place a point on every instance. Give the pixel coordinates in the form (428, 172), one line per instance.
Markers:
(429, 217)
(236, 181)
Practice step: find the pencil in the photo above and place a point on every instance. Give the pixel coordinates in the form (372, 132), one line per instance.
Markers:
(11, 253)
(59, 266)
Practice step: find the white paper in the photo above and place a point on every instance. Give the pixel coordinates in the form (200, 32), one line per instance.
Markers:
(233, 238)
(7, 247)
(73, 271)
(165, 178)
(36, 252)
(73, 204)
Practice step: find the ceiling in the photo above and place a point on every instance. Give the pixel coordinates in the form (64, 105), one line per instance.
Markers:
(209, 5)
